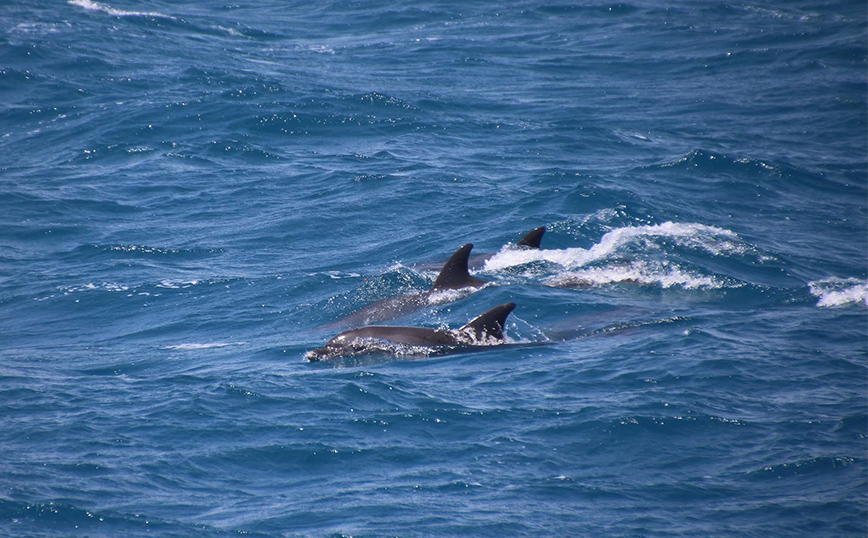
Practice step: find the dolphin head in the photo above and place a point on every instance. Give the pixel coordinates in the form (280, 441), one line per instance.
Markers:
(341, 345)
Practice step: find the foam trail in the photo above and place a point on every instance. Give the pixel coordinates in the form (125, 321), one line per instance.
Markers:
(716, 241)
(839, 291)
(665, 275)
(97, 6)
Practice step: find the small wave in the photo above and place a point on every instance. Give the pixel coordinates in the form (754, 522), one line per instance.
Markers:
(813, 466)
(144, 249)
(719, 162)
(376, 98)
(318, 48)
(665, 275)
(147, 251)
(714, 240)
(231, 31)
(97, 6)
(90, 286)
(40, 28)
(211, 345)
(638, 324)
(440, 297)
(839, 291)
(337, 275)
(178, 284)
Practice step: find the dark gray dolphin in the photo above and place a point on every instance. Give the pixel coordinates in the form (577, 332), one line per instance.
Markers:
(531, 239)
(453, 276)
(484, 330)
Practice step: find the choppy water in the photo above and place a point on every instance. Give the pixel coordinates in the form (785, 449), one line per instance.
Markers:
(192, 194)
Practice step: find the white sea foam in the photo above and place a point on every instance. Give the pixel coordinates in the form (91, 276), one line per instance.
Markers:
(448, 296)
(192, 347)
(90, 286)
(177, 284)
(321, 49)
(97, 6)
(716, 241)
(230, 31)
(839, 291)
(665, 275)
(39, 27)
(337, 275)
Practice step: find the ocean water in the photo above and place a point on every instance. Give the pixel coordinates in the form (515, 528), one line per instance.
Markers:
(193, 194)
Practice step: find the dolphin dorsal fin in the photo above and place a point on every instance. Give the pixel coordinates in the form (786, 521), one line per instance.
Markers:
(490, 324)
(532, 238)
(454, 274)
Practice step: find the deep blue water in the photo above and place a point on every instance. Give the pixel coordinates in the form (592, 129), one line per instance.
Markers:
(193, 193)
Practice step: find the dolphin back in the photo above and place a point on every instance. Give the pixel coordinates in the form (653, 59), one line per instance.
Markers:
(490, 324)
(454, 274)
(532, 238)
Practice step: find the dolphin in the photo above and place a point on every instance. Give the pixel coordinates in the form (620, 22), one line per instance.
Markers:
(531, 239)
(453, 276)
(484, 330)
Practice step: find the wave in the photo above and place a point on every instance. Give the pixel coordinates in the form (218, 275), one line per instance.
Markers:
(194, 346)
(821, 465)
(57, 518)
(143, 251)
(835, 291)
(643, 273)
(97, 6)
(754, 176)
(151, 250)
(129, 289)
(718, 162)
(90, 286)
(656, 254)
(711, 239)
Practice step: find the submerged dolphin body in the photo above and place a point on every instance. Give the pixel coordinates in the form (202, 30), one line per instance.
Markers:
(484, 330)
(453, 276)
(531, 239)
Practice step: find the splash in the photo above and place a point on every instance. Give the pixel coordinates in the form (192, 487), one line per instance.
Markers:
(440, 297)
(627, 255)
(665, 275)
(714, 240)
(839, 291)
(97, 6)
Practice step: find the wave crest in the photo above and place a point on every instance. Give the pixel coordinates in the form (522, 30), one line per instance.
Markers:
(711, 239)
(97, 6)
(835, 291)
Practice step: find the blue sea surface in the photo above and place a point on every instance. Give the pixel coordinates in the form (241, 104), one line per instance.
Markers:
(195, 193)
